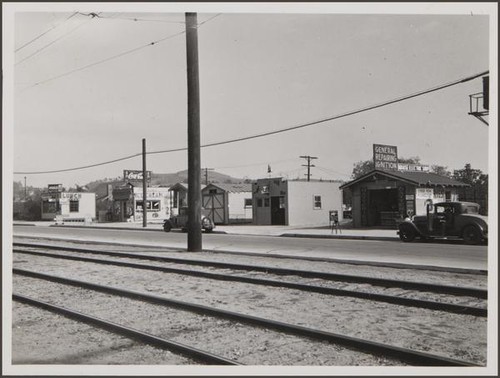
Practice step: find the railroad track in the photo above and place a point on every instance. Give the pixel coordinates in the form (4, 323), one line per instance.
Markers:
(369, 295)
(404, 355)
(69, 259)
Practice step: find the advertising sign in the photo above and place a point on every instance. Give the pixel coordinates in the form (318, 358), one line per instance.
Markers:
(129, 175)
(55, 188)
(424, 193)
(71, 196)
(413, 167)
(385, 157)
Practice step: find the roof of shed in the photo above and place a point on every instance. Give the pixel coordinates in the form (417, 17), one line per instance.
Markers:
(181, 186)
(233, 188)
(415, 178)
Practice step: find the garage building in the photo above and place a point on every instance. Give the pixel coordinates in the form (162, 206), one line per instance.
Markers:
(382, 198)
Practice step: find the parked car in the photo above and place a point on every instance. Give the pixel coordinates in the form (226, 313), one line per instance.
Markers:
(180, 221)
(447, 220)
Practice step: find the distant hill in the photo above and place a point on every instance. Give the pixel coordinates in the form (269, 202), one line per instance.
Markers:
(168, 179)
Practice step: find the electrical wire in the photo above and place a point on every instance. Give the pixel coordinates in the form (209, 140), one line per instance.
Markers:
(439, 87)
(105, 60)
(45, 32)
(136, 19)
(112, 57)
(51, 43)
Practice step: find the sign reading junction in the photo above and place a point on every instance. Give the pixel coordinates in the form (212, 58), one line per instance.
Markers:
(385, 157)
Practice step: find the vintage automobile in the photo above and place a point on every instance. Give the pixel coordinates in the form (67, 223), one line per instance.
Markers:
(180, 221)
(447, 220)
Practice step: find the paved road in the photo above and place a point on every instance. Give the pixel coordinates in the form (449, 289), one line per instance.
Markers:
(431, 254)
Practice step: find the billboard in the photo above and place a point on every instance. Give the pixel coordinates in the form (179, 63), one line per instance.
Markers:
(385, 157)
(130, 175)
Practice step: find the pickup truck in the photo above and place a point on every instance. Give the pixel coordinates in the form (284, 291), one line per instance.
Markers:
(447, 220)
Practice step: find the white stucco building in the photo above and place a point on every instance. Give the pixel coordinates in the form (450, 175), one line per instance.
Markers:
(295, 202)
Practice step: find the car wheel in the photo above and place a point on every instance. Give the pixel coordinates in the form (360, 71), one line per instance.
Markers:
(407, 234)
(208, 230)
(167, 226)
(471, 235)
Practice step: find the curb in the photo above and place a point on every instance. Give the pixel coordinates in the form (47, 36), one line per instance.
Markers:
(287, 235)
(355, 237)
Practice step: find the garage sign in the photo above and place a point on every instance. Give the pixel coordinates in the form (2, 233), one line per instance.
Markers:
(385, 157)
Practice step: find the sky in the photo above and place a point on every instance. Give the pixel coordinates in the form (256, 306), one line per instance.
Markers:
(81, 95)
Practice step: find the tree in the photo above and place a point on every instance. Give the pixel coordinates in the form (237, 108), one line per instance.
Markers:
(468, 175)
(363, 167)
(440, 170)
(478, 190)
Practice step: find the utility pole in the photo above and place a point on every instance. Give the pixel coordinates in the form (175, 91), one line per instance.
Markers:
(25, 192)
(144, 185)
(309, 165)
(194, 173)
(206, 174)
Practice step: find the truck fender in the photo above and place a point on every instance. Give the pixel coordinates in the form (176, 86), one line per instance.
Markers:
(409, 223)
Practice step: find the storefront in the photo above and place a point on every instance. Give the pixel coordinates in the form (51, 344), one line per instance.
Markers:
(68, 206)
(128, 203)
(382, 198)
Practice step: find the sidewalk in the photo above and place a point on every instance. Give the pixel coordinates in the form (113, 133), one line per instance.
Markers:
(285, 231)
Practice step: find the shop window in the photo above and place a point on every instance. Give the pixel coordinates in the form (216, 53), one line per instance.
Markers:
(155, 205)
(138, 205)
(259, 202)
(266, 202)
(248, 203)
(74, 206)
(317, 202)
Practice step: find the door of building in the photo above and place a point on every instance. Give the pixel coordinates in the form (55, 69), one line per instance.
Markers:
(215, 204)
(278, 210)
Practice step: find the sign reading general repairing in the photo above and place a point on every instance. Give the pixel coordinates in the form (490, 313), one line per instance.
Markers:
(129, 175)
(385, 157)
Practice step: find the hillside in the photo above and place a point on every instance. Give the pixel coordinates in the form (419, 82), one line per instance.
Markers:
(169, 179)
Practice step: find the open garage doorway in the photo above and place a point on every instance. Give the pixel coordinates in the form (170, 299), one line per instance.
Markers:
(382, 207)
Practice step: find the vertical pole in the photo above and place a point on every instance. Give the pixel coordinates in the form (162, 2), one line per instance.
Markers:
(194, 166)
(25, 193)
(144, 185)
(308, 168)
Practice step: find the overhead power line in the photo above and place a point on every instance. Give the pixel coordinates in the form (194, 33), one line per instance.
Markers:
(114, 56)
(399, 99)
(51, 43)
(45, 32)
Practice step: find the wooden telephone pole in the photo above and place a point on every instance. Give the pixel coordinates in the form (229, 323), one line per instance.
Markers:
(309, 165)
(194, 172)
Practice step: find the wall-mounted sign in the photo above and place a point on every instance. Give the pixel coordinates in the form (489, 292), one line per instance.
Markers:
(54, 188)
(413, 167)
(71, 196)
(385, 157)
(129, 175)
(424, 193)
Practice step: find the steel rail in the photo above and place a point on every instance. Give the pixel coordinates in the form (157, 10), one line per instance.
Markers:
(131, 333)
(406, 355)
(442, 289)
(397, 300)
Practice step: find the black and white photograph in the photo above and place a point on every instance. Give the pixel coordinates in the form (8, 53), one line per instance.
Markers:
(249, 189)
